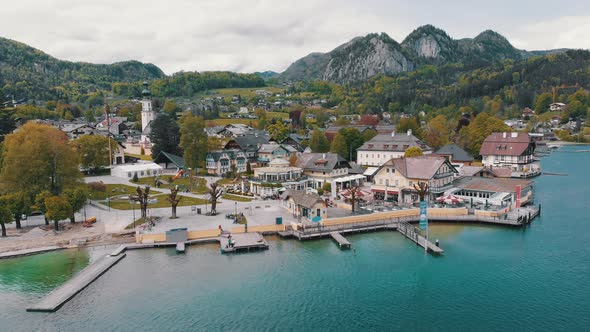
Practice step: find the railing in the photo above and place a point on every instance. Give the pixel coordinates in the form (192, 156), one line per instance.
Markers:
(440, 189)
(443, 175)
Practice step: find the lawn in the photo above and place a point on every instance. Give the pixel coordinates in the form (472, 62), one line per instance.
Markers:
(226, 121)
(139, 156)
(162, 203)
(281, 115)
(112, 190)
(236, 198)
(243, 92)
(183, 183)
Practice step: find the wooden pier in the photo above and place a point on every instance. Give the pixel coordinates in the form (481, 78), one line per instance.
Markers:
(180, 247)
(341, 240)
(242, 242)
(64, 293)
(409, 231)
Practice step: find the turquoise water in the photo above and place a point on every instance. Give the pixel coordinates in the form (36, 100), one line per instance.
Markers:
(490, 278)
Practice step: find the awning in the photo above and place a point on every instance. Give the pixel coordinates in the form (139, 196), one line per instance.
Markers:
(389, 192)
(350, 178)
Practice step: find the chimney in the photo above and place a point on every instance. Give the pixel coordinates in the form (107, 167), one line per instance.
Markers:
(409, 132)
(504, 135)
(393, 133)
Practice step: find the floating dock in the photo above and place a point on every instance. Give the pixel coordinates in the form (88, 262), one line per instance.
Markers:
(242, 242)
(409, 232)
(63, 294)
(27, 252)
(180, 247)
(341, 240)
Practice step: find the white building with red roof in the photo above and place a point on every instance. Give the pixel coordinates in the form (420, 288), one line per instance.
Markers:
(514, 150)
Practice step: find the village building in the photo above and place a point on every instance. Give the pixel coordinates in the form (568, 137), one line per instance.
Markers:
(221, 162)
(141, 170)
(277, 176)
(296, 141)
(148, 114)
(329, 168)
(492, 192)
(305, 206)
(455, 154)
(527, 113)
(514, 150)
(248, 145)
(557, 107)
(384, 147)
(485, 172)
(271, 151)
(395, 179)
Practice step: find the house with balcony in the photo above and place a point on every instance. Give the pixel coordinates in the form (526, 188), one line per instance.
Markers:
(277, 176)
(248, 144)
(271, 151)
(384, 147)
(395, 179)
(221, 162)
(513, 150)
(328, 168)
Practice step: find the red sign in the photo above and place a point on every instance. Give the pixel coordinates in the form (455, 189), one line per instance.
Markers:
(518, 190)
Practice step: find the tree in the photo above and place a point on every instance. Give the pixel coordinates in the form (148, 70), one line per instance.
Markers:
(40, 203)
(471, 137)
(193, 140)
(20, 204)
(171, 108)
(339, 145)
(413, 152)
(57, 209)
(38, 157)
(319, 142)
(262, 116)
(369, 120)
(174, 199)
(438, 132)
(542, 102)
(422, 189)
(354, 193)
(406, 124)
(5, 213)
(165, 135)
(77, 198)
(143, 198)
(369, 134)
(93, 151)
(278, 131)
(353, 139)
(293, 160)
(214, 193)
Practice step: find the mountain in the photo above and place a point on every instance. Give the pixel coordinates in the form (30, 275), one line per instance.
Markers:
(266, 75)
(26, 72)
(378, 54)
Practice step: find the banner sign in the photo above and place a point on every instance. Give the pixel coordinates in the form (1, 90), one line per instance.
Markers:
(423, 215)
(518, 193)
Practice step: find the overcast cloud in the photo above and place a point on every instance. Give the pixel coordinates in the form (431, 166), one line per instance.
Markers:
(250, 35)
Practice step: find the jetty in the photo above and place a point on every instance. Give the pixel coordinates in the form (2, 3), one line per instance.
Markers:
(63, 294)
(242, 242)
(180, 247)
(410, 232)
(341, 240)
(27, 252)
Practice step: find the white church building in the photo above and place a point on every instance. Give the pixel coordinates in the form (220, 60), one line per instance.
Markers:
(148, 114)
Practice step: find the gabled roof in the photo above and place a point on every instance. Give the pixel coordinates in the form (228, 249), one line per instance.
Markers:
(250, 142)
(492, 184)
(323, 162)
(302, 198)
(456, 153)
(268, 148)
(397, 142)
(165, 157)
(422, 167)
(506, 144)
(232, 154)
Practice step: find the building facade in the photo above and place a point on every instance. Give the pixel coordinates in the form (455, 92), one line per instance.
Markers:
(514, 150)
(221, 162)
(384, 147)
(277, 176)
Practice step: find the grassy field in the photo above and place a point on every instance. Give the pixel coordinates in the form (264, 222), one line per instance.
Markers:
(141, 157)
(112, 190)
(226, 121)
(243, 92)
(236, 198)
(182, 183)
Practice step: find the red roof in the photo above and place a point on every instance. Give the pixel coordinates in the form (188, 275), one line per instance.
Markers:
(506, 144)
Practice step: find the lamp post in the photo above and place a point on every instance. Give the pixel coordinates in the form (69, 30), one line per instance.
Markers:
(236, 209)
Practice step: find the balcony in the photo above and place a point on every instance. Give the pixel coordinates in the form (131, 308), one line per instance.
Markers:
(443, 175)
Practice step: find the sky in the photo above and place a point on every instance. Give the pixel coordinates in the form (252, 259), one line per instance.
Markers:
(260, 35)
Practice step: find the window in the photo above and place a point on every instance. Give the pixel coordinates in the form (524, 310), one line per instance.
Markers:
(380, 181)
(397, 183)
(387, 170)
(411, 183)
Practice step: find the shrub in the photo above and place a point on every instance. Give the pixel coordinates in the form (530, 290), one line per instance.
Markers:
(135, 178)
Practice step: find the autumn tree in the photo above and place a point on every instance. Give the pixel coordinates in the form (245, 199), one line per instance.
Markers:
(542, 102)
(77, 198)
(93, 151)
(472, 136)
(40, 203)
(319, 142)
(278, 131)
(438, 132)
(57, 209)
(5, 213)
(20, 204)
(339, 145)
(174, 199)
(406, 124)
(369, 120)
(262, 117)
(171, 108)
(193, 140)
(293, 160)
(38, 157)
(414, 151)
(215, 192)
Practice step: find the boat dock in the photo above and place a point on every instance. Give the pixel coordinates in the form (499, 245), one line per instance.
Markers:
(341, 240)
(180, 247)
(409, 232)
(242, 242)
(27, 252)
(63, 294)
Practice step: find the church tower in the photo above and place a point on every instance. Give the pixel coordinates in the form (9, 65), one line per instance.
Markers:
(147, 112)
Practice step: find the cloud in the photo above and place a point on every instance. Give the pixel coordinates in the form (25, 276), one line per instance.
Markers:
(254, 35)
